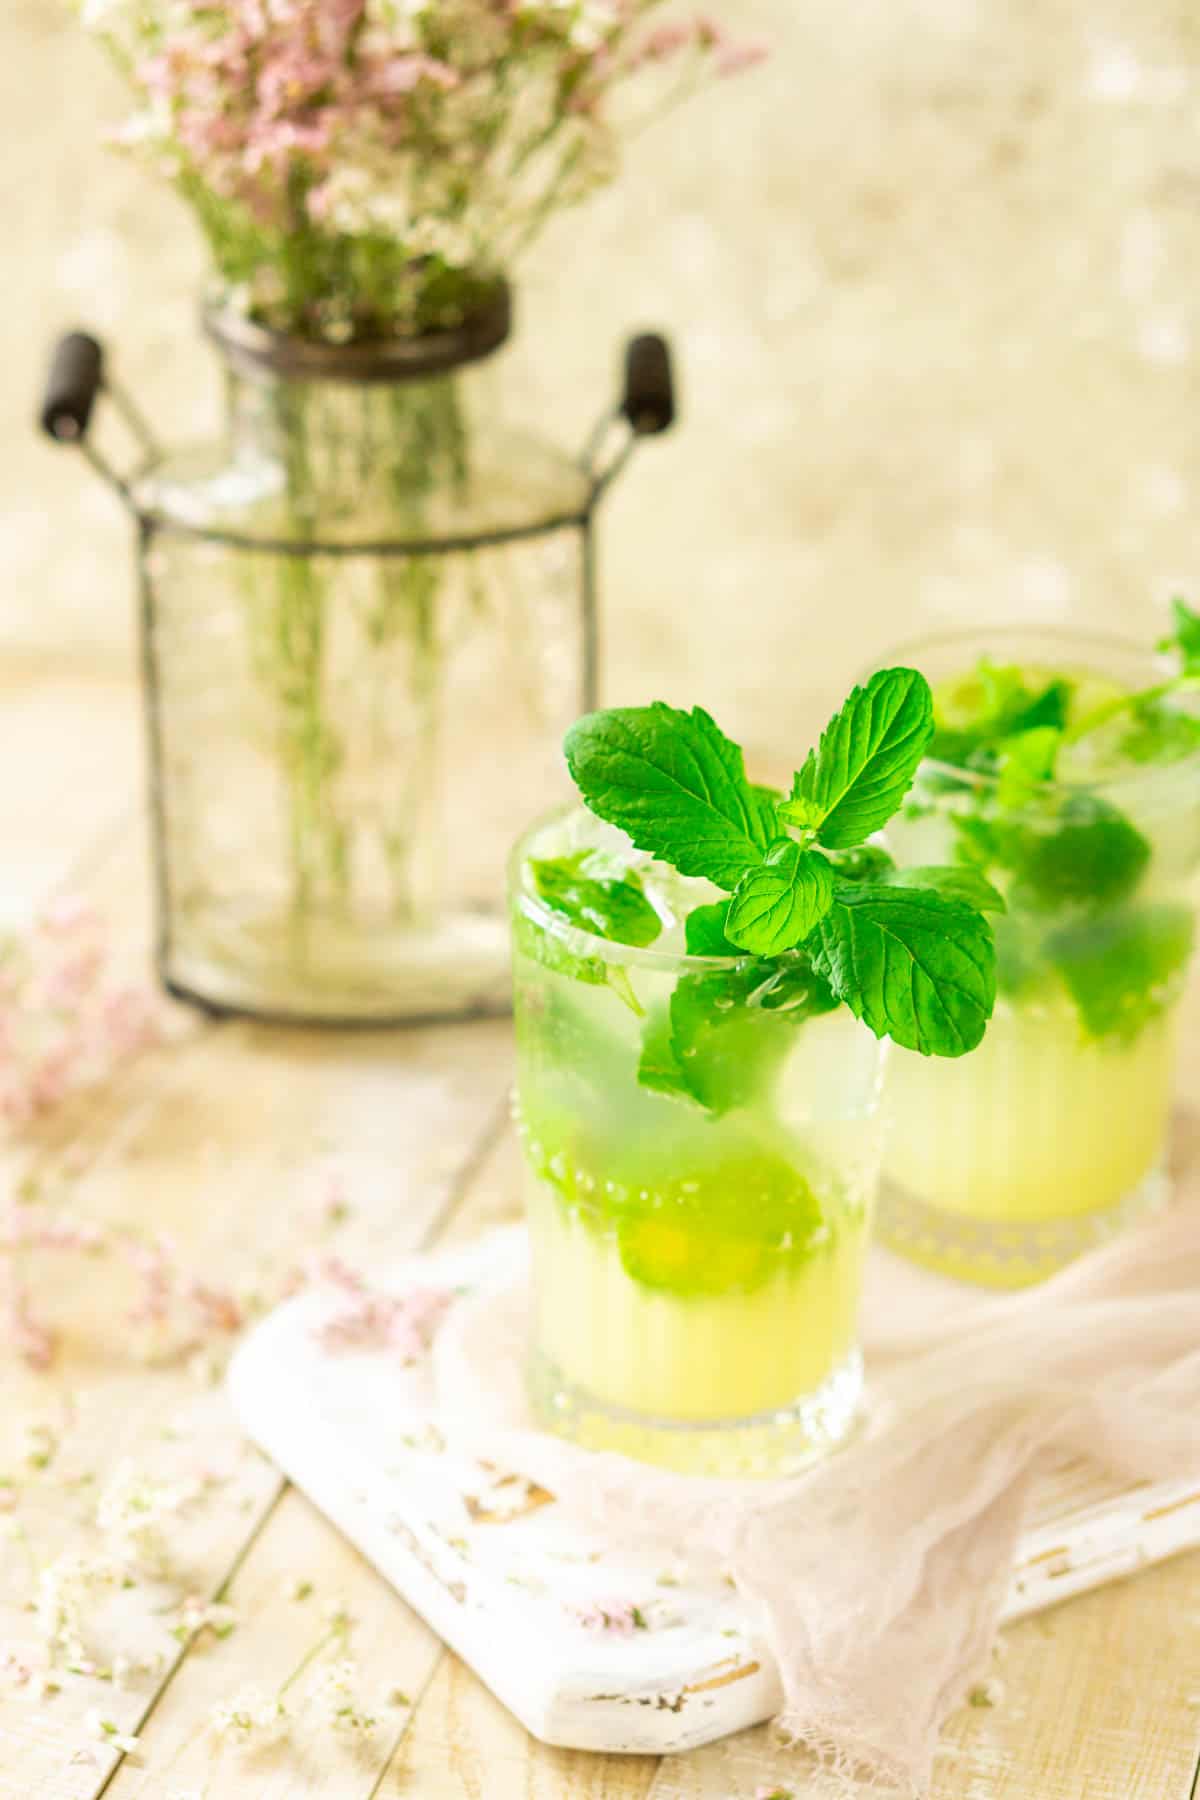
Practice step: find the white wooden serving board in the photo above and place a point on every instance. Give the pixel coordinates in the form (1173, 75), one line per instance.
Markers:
(500, 1575)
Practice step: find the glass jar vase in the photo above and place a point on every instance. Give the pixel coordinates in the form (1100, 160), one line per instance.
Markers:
(368, 617)
(1003, 1166)
(698, 1210)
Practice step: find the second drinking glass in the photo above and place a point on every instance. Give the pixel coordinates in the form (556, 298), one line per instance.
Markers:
(1066, 770)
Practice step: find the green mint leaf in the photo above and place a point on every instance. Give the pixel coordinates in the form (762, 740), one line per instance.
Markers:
(1026, 764)
(728, 1050)
(658, 1066)
(775, 906)
(1123, 970)
(1185, 637)
(964, 883)
(704, 931)
(1095, 858)
(613, 909)
(1004, 709)
(766, 802)
(675, 784)
(1159, 732)
(869, 862)
(791, 985)
(1044, 711)
(1001, 704)
(955, 746)
(1001, 688)
(911, 964)
(535, 941)
(725, 1034)
(1021, 966)
(864, 765)
(983, 843)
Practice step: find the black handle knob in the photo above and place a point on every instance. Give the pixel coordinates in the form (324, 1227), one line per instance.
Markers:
(649, 399)
(76, 371)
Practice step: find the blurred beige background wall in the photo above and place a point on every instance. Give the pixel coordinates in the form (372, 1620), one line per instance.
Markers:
(932, 275)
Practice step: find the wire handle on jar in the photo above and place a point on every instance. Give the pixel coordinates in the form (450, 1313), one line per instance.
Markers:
(646, 408)
(76, 378)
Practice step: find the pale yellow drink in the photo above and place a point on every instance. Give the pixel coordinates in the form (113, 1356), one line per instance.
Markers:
(1004, 1165)
(696, 1267)
(1040, 1127)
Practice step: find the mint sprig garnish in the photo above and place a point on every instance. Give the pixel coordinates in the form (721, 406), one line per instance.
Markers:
(723, 1036)
(610, 907)
(1184, 637)
(1156, 730)
(676, 785)
(852, 783)
(1092, 857)
(1073, 863)
(915, 961)
(965, 883)
(912, 964)
(1124, 971)
(1026, 762)
(613, 908)
(704, 931)
(776, 905)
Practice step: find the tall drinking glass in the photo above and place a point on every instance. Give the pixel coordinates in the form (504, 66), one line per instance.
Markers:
(697, 1256)
(1004, 1165)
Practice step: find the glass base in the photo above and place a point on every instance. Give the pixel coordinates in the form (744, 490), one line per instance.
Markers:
(779, 1442)
(1005, 1253)
(339, 971)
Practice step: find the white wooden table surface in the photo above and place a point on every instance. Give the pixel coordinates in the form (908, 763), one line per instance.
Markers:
(213, 1140)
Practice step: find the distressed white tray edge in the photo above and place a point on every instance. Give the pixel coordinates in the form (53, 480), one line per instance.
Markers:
(621, 1697)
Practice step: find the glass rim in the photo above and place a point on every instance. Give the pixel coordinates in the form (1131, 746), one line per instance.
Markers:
(1111, 643)
(576, 938)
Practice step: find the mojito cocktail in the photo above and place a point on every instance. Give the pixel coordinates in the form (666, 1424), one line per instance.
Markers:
(697, 1261)
(698, 1105)
(1066, 772)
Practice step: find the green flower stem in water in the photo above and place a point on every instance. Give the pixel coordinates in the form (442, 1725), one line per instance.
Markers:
(377, 459)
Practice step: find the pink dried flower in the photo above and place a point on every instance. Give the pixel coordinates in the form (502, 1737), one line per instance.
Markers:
(66, 916)
(69, 985)
(131, 1022)
(197, 1614)
(666, 41)
(403, 74)
(16, 1105)
(735, 59)
(294, 1282)
(730, 55)
(273, 112)
(405, 1323)
(620, 1618)
(334, 1271)
(334, 1206)
(219, 1308)
(154, 1264)
(33, 1340)
(50, 1080)
(62, 1026)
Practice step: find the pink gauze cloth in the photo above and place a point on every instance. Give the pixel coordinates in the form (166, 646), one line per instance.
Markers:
(879, 1575)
